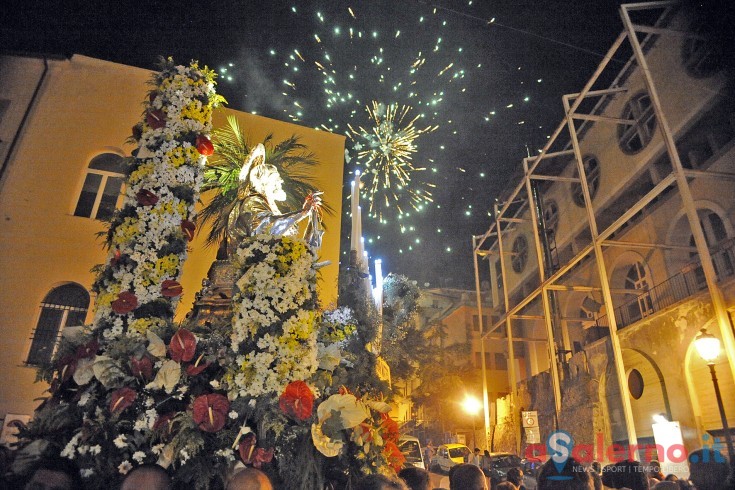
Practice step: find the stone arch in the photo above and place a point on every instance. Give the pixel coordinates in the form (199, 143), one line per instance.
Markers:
(621, 268)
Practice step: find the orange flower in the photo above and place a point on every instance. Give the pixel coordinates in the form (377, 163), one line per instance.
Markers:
(390, 428)
(393, 456)
(204, 146)
(297, 400)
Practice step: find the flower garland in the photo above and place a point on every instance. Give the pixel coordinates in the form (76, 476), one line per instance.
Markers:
(275, 317)
(138, 286)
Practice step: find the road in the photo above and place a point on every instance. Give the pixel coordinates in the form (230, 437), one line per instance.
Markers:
(442, 481)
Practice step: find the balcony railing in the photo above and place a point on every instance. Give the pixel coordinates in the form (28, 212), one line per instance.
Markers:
(687, 282)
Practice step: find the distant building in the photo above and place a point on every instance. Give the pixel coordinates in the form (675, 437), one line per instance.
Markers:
(63, 126)
(620, 242)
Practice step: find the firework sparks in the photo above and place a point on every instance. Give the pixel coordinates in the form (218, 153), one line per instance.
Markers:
(385, 149)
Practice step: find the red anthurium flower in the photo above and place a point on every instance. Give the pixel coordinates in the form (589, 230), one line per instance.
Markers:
(88, 350)
(122, 399)
(67, 365)
(297, 400)
(204, 146)
(252, 455)
(163, 422)
(152, 96)
(182, 346)
(390, 428)
(156, 119)
(188, 228)
(394, 456)
(146, 197)
(125, 303)
(210, 412)
(171, 288)
(197, 367)
(142, 367)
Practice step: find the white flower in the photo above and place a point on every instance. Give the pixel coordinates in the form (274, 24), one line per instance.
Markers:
(95, 450)
(86, 472)
(139, 456)
(83, 399)
(184, 454)
(124, 467)
(233, 415)
(157, 449)
(120, 441)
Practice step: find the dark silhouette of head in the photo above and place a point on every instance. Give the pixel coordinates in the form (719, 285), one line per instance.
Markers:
(573, 476)
(708, 470)
(55, 472)
(249, 479)
(467, 477)
(515, 476)
(415, 478)
(380, 482)
(148, 476)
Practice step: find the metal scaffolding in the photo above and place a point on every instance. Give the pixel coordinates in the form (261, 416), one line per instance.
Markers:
(510, 212)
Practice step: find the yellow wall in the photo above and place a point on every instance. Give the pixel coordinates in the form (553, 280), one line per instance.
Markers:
(86, 107)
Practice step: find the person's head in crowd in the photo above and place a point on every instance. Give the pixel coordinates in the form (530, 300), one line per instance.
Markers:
(666, 485)
(671, 477)
(55, 473)
(148, 477)
(380, 482)
(576, 476)
(709, 470)
(625, 474)
(249, 479)
(467, 477)
(515, 476)
(415, 478)
(506, 485)
(596, 467)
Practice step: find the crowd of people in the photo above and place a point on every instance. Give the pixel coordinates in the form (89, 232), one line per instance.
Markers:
(708, 471)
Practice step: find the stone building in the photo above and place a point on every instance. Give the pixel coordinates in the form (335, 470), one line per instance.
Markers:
(63, 127)
(617, 246)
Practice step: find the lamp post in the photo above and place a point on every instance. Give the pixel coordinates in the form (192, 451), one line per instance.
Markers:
(472, 405)
(708, 347)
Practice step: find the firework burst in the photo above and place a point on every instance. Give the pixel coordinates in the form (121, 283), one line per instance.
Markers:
(385, 150)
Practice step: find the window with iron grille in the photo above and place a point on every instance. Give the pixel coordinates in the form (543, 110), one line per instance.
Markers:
(634, 137)
(102, 186)
(64, 306)
(592, 173)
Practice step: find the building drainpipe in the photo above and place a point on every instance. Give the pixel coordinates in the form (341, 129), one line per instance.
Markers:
(24, 120)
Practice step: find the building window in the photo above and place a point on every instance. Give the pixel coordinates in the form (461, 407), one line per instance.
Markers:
(478, 358)
(635, 384)
(501, 363)
(476, 322)
(551, 215)
(702, 56)
(635, 137)
(714, 234)
(102, 187)
(64, 306)
(638, 279)
(520, 253)
(592, 173)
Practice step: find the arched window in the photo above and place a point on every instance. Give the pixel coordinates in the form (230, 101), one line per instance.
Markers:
(635, 137)
(701, 56)
(714, 233)
(520, 253)
(592, 172)
(637, 278)
(64, 306)
(102, 186)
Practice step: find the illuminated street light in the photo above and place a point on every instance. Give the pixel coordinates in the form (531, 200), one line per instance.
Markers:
(708, 347)
(472, 406)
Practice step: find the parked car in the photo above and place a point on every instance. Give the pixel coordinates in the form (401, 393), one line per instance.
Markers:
(448, 455)
(411, 449)
(501, 463)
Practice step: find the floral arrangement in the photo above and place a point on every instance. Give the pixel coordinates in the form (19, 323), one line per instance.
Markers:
(265, 389)
(138, 286)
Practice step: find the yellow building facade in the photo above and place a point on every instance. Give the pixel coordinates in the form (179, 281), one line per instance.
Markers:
(63, 126)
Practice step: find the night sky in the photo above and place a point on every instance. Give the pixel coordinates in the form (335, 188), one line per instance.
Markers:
(489, 74)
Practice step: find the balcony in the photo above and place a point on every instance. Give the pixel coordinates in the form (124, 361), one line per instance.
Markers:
(687, 282)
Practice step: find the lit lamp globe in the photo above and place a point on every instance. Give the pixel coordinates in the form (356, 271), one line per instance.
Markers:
(471, 405)
(708, 346)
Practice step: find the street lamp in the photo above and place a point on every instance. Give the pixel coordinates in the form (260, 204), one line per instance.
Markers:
(708, 347)
(472, 405)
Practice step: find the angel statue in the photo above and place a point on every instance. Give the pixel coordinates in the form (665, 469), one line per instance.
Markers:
(256, 212)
